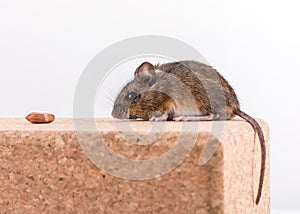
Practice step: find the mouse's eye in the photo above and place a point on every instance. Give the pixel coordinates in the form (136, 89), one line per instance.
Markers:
(131, 96)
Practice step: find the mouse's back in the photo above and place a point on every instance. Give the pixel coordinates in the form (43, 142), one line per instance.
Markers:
(211, 91)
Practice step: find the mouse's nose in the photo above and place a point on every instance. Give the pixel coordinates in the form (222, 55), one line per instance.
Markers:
(114, 113)
(119, 112)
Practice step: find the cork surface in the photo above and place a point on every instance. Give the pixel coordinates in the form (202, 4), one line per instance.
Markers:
(44, 169)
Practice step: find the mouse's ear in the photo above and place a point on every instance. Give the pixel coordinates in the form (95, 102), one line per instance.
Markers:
(145, 73)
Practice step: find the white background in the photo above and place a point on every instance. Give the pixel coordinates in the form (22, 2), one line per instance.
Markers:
(45, 45)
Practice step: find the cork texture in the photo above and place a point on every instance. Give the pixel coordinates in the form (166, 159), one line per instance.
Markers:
(44, 169)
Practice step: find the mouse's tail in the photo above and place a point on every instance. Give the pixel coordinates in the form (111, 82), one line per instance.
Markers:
(260, 133)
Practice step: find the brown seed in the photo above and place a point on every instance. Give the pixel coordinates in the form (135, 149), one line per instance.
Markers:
(36, 117)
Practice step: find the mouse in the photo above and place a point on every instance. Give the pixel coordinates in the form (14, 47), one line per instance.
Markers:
(183, 91)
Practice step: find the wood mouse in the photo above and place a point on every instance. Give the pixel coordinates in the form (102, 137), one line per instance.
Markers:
(183, 91)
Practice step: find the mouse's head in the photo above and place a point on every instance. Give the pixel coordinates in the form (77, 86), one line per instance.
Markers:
(130, 102)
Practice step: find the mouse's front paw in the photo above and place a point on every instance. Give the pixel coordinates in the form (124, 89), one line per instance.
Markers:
(178, 119)
(163, 117)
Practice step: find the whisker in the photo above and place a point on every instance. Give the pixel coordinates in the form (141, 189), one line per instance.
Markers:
(110, 99)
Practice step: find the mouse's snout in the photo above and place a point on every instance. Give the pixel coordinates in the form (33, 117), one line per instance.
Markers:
(120, 112)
